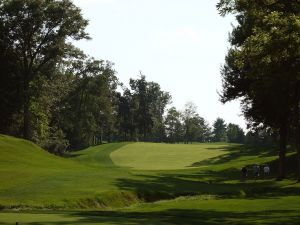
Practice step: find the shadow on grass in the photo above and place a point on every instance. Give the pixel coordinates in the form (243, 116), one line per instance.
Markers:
(180, 216)
(235, 152)
(226, 182)
(153, 188)
(98, 158)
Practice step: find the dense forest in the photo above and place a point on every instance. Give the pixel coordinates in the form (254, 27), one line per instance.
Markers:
(60, 98)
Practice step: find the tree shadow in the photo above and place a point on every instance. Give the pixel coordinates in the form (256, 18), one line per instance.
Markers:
(182, 217)
(223, 183)
(234, 152)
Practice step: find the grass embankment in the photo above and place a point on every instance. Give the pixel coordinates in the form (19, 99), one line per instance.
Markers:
(275, 211)
(112, 176)
(34, 178)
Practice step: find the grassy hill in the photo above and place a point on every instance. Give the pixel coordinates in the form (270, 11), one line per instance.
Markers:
(160, 183)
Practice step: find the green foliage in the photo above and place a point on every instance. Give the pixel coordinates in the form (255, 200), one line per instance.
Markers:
(173, 126)
(33, 38)
(88, 112)
(195, 127)
(56, 96)
(262, 137)
(140, 111)
(235, 134)
(262, 67)
(219, 130)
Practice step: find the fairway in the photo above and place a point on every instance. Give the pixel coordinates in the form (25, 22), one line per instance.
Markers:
(151, 156)
(141, 183)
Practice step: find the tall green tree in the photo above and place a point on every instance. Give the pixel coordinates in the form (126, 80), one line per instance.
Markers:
(35, 34)
(149, 103)
(125, 116)
(195, 127)
(174, 126)
(262, 67)
(219, 130)
(143, 116)
(89, 108)
(159, 100)
(235, 133)
(188, 115)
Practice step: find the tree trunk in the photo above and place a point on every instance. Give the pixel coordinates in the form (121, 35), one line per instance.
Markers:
(26, 134)
(144, 133)
(298, 156)
(297, 130)
(101, 134)
(282, 151)
(26, 105)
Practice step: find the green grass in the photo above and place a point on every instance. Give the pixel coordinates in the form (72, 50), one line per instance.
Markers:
(193, 210)
(142, 156)
(143, 183)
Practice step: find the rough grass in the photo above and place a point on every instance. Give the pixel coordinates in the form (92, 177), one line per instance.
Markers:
(203, 189)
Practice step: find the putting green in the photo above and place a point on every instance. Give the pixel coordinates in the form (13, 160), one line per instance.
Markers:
(146, 156)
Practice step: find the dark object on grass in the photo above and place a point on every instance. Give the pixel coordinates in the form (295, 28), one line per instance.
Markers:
(256, 170)
(244, 172)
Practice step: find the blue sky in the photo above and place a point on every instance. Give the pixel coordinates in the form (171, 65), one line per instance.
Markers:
(180, 44)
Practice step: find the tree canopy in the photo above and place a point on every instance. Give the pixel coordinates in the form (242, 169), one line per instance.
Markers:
(57, 96)
(262, 66)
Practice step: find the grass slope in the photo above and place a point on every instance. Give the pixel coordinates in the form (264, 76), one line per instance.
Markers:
(36, 179)
(113, 176)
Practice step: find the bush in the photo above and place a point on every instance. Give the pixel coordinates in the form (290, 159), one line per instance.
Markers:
(57, 144)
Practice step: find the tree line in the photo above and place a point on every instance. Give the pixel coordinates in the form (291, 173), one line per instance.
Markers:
(57, 96)
(262, 68)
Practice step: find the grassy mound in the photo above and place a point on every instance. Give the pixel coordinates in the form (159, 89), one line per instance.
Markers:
(36, 179)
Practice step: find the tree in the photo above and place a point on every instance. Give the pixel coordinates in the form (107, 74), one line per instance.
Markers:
(235, 133)
(261, 137)
(89, 109)
(188, 115)
(142, 114)
(158, 100)
(173, 125)
(195, 127)
(34, 34)
(125, 115)
(264, 59)
(150, 103)
(10, 94)
(219, 130)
